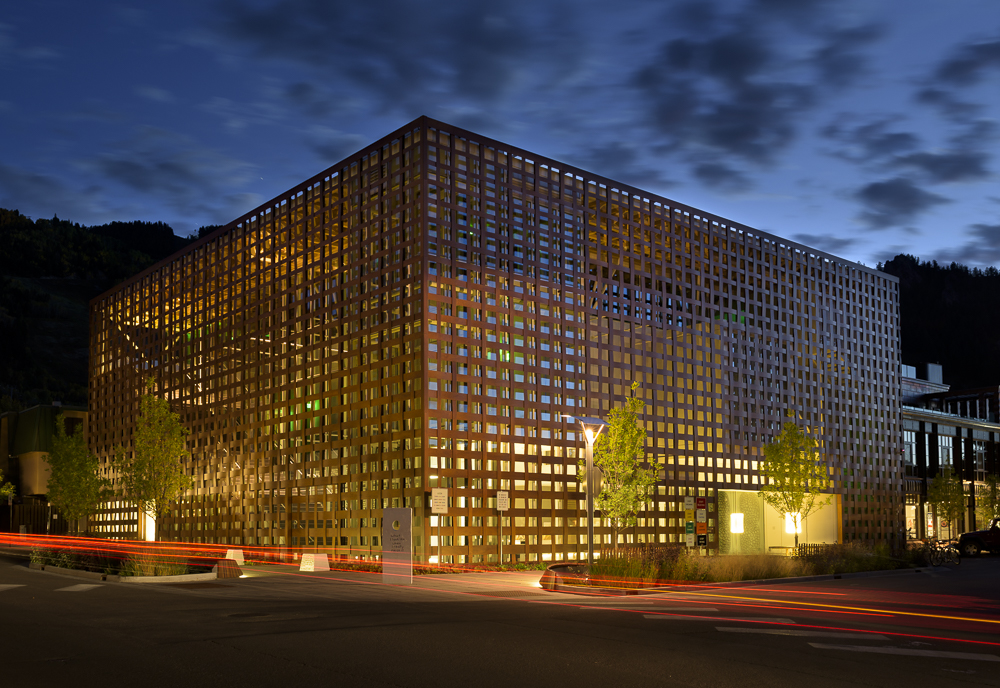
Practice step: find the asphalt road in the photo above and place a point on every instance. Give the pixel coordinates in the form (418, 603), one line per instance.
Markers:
(278, 627)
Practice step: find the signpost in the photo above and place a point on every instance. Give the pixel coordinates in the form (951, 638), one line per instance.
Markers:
(439, 506)
(689, 521)
(397, 546)
(503, 504)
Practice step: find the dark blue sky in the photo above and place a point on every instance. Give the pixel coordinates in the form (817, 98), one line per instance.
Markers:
(863, 128)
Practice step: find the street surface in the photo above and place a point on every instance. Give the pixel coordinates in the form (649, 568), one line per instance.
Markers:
(280, 627)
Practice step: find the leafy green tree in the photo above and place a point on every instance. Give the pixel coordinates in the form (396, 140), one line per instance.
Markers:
(988, 501)
(151, 476)
(76, 488)
(619, 453)
(947, 493)
(7, 490)
(794, 476)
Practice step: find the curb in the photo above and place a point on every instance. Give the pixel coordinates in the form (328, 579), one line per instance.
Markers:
(586, 590)
(94, 575)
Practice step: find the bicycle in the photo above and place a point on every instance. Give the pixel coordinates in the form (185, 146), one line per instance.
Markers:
(944, 552)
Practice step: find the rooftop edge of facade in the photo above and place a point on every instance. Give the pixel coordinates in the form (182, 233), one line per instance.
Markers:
(427, 122)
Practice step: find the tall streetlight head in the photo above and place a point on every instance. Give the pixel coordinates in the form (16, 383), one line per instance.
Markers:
(592, 427)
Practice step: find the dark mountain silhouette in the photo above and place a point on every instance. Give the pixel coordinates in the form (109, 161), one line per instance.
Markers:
(948, 315)
(49, 271)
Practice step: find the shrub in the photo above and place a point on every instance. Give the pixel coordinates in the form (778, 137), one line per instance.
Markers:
(152, 561)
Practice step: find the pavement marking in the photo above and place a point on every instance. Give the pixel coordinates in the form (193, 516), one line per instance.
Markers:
(610, 603)
(762, 619)
(8, 586)
(908, 652)
(796, 632)
(79, 588)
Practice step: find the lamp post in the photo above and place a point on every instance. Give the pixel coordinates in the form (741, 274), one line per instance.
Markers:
(592, 427)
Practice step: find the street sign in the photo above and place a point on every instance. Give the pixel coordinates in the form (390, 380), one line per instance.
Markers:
(503, 500)
(701, 528)
(439, 500)
(689, 515)
(701, 503)
(701, 516)
(689, 504)
(702, 540)
(689, 539)
(689, 528)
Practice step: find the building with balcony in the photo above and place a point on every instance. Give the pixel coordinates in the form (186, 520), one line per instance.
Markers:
(426, 314)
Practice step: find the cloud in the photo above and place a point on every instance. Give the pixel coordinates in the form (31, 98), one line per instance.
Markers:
(730, 90)
(826, 242)
(969, 63)
(839, 61)
(894, 202)
(721, 176)
(332, 145)
(982, 249)
(947, 167)
(870, 142)
(176, 170)
(404, 57)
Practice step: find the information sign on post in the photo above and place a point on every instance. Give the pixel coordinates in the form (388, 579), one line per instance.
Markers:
(689, 539)
(702, 540)
(439, 505)
(689, 528)
(503, 504)
(397, 546)
(689, 504)
(701, 503)
(439, 500)
(701, 515)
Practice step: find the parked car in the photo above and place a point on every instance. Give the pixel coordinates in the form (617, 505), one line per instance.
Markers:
(987, 540)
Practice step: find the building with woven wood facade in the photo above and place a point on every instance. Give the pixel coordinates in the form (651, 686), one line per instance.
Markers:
(427, 312)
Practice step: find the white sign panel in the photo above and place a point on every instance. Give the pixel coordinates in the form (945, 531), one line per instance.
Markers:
(397, 546)
(439, 500)
(503, 500)
(701, 516)
(688, 503)
(690, 539)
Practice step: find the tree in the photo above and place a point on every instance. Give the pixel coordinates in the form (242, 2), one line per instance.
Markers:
(794, 477)
(7, 490)
(947, 493)
(988, 501)
(619, 453)
(75, 487)
(151, 475)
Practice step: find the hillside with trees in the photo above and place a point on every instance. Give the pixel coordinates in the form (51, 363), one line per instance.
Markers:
(49, 271)
(948, 315)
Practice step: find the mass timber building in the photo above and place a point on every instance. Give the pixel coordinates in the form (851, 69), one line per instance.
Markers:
(427, 313)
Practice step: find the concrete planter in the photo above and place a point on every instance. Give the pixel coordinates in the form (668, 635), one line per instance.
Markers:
(183, 578)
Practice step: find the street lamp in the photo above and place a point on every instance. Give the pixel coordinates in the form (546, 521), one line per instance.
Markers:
(592, 427)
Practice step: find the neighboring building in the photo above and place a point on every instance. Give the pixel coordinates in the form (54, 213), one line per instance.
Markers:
(25, 442)
(426, 312)
(944, 429)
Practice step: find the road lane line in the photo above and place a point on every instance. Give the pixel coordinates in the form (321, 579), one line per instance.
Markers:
(8, 586)
(833, 608)
(79, 588)
(796, 632)
(908, 652)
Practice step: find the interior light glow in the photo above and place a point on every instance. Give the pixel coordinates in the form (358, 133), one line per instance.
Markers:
(793, 523)
(735, 523)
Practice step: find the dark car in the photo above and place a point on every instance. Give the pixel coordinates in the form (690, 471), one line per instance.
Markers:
(971, 544)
